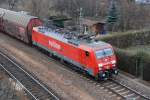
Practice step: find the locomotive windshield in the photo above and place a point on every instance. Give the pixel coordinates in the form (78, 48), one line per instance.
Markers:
(104, 53)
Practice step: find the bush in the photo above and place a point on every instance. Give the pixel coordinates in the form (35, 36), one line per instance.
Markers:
(127, 39)
(127, 61)
(135, 63)
(145, 69)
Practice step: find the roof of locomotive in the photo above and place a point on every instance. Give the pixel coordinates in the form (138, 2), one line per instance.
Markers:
(98, 44)
(58, 36)
(16, 17)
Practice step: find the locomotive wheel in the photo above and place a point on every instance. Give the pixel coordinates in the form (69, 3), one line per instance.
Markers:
(50, 54)
(61, 60)
(84, 72)
(97, 78)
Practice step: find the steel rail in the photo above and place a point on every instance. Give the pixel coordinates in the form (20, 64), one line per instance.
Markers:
(101, 83)
(46, 89)
(130, 89)
(18, 81)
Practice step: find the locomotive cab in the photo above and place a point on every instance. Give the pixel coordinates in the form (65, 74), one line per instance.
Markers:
(106, 62)
(99, 59)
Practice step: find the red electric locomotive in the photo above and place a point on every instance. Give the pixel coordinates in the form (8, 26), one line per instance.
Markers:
(95, 57)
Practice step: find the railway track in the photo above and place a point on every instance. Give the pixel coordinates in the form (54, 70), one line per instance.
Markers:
(116, 88)
(32, 86)
(112, 86)
(125, 92)
(119, 90)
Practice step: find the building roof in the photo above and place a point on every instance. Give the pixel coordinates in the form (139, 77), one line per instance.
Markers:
(92, 21)
(16, 17)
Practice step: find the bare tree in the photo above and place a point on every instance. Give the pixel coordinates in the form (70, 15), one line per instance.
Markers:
(12, 3)
(132, 15)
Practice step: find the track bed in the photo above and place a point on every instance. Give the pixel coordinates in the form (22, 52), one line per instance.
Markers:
(67, 83)
(30, 84)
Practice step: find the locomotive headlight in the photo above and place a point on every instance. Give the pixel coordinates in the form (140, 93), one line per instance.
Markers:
(116, 72)
(113, 62)
(104, 75)
(100, 65)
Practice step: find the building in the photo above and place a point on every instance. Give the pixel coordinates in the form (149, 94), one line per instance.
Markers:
(94, 25)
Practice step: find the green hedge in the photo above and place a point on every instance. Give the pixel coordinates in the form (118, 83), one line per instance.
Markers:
(127, 39)
(145, 65)
(135, 63)
(126, 61)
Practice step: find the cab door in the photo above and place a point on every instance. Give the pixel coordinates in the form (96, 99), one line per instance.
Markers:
(85, 58)
(88, 62)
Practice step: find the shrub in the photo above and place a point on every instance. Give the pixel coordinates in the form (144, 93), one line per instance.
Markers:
(135, 63)
(127, 61)
(127, 39)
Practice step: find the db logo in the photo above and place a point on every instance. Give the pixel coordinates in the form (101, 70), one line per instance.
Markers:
(54, 45)
(106, 59)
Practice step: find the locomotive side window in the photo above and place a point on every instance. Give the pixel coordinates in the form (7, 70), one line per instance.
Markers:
(87, 53)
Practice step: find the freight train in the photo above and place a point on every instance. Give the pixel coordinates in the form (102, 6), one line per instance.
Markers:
(97, 58)
(18, 25)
